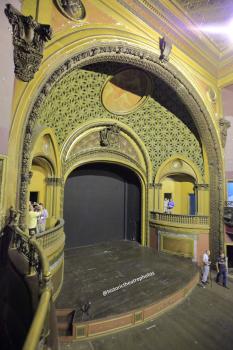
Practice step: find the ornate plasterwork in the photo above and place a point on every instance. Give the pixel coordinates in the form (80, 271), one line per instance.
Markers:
(73, 9)
(124, 53)
(109, 136)
(224, 125)
(162, 122)
(93, 141)
(29, 38)
(95, 154)
(165, 49)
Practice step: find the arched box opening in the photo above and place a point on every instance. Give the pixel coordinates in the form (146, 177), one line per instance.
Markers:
(102, 203)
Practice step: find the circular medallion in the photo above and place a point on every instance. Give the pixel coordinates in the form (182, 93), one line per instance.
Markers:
(72, 9)
(126, 91)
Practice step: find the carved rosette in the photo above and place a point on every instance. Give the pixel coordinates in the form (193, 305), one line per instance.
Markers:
(29, 37)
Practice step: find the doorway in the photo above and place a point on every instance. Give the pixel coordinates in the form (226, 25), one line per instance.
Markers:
(102, 203)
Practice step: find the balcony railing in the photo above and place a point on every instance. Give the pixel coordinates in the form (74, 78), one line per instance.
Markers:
(52, 236)
(180, 219)
(33, 252)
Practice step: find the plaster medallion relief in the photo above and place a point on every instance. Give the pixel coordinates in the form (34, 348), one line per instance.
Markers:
(177, 164)
(126, 91)
(73, 9)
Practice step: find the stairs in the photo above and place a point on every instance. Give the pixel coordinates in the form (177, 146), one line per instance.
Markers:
(64, 324)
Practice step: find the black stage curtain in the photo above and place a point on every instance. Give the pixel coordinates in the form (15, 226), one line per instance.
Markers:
(102, 203)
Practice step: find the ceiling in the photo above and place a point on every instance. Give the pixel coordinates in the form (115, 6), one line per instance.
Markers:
(206, 13)
(185, 23)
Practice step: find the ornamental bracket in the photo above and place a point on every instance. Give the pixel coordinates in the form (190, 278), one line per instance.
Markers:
(29, 38)
(165, 50)
(224, 125)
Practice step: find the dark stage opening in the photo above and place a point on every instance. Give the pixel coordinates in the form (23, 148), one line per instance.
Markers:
(102, 203)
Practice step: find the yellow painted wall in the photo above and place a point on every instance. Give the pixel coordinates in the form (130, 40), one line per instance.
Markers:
(180, 194)
(38, 183)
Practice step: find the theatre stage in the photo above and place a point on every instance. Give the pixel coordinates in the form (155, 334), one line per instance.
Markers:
(125, 283)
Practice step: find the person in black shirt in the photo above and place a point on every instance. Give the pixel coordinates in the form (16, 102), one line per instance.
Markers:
(221, 266)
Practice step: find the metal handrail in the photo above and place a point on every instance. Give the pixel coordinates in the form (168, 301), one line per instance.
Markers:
(180, 219)
(33, 251)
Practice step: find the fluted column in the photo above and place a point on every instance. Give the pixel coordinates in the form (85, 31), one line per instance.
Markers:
(202, 195)
(158, 204)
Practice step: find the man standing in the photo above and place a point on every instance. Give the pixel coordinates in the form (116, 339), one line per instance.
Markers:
(221, 266)
(165, 205)
(32, 220)
(42, 218)
(206, 268)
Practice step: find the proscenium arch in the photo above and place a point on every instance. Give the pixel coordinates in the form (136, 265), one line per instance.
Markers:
(123, 52)
(143, 182)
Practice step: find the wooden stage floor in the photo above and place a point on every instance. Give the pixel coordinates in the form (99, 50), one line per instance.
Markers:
(91, 270)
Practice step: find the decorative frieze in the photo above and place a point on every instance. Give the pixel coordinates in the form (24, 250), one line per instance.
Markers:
(29, 38)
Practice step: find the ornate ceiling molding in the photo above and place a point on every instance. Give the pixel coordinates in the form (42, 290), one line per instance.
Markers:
(168, 19)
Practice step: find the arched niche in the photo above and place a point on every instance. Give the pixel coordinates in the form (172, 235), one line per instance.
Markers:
(180, 179)
(45, 173)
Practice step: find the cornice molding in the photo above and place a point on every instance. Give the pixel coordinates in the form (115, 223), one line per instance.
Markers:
(168, 19)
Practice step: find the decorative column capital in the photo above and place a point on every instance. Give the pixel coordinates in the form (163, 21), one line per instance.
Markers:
(202, 187)
(29, 37)
(158, 186)
(54, 181)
